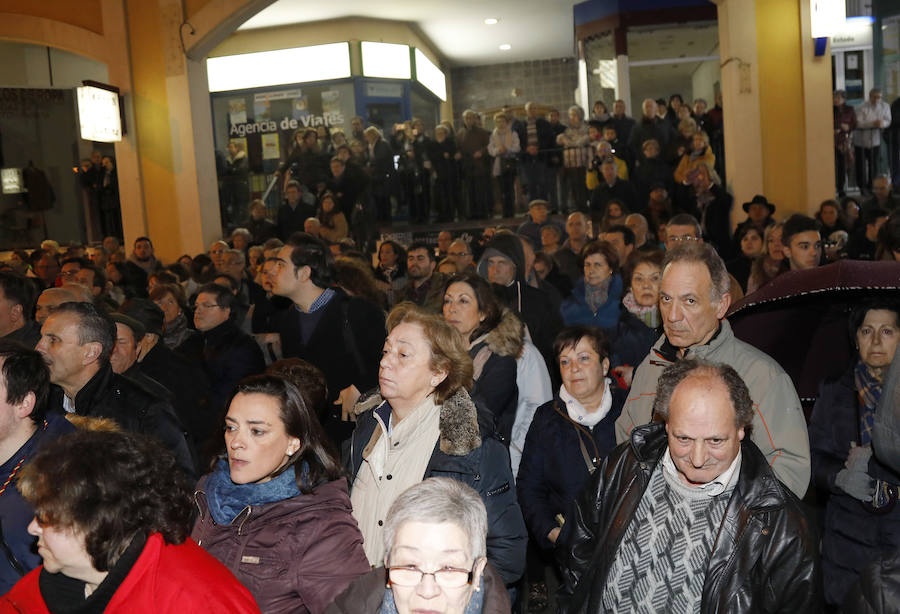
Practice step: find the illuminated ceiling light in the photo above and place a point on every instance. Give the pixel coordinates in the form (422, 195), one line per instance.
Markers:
(491, 21)
(505, 47)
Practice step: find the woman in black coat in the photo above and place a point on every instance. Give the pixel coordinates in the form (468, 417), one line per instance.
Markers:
(862, 518)
(570, 435)
(495, 337)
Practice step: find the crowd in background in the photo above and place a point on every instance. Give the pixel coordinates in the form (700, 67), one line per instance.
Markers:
(513, 362)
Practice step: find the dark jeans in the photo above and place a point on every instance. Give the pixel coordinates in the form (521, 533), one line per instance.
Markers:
(534, 176)
(507, 180)
(445, 200)
(573, 185)
(840, 171)
(478, 188)
(866, 165)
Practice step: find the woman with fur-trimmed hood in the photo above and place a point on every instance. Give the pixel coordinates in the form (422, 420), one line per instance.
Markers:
(495, 338)
(422, 423)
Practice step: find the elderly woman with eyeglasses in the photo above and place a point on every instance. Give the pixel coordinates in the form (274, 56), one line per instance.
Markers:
(435, 544)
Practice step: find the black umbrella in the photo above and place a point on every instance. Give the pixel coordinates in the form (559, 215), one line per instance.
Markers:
(800, 317)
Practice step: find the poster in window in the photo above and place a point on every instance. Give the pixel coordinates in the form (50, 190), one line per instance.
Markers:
(237, 111)
(300, 107)
(270, 148)
(331, 101)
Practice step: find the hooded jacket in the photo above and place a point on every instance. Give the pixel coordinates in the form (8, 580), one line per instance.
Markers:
(779, 426)
(293, 555)
(533, 306)
(494, 356)
(765, 557)
(468, 452)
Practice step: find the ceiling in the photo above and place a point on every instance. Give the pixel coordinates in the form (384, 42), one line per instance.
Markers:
(534, 29)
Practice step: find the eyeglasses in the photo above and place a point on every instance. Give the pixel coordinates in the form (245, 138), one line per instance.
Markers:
(446, 577)
(70, 274)
(458, 254)
(206, 306)
(682, 238)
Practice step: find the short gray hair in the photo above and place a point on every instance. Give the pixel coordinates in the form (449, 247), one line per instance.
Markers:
(237, 254)
(577, 110)
(738, 393)
(705, 254)
(439, 500)
(241, 231)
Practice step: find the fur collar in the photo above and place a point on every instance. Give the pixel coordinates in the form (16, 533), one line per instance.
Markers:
(505, 339)
(460, 434)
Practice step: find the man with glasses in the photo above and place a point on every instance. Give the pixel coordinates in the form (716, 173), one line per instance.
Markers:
(460, 254)
(693, 299)
(227, 353)
(681, 229)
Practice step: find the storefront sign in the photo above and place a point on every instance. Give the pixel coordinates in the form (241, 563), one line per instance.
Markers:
(858, 37)
(384, 90)
(334, 118)
(12, 180)
(98, 114)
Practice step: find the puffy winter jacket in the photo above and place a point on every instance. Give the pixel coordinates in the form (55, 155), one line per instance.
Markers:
(466, 451)
(553, 470)
(853, 536)
(779, 427)
(166, 579)
(293, 555)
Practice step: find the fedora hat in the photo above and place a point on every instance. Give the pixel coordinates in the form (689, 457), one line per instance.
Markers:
(759, 199)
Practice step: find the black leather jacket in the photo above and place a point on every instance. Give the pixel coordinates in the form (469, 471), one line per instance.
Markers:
(765, 558)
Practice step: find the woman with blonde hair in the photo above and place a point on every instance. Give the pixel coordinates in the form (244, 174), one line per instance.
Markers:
(423, 423)
(771, 263)
(700, 151)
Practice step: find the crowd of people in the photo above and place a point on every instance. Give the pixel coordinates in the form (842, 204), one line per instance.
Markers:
(557, 414)
(343, 184)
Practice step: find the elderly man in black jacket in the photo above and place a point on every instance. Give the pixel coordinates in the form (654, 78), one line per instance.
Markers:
(687, 516)
(76, 342)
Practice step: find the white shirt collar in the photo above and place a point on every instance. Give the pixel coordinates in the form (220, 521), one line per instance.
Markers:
(713, 488)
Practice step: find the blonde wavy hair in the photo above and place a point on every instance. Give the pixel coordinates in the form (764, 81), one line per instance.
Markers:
(449, 352)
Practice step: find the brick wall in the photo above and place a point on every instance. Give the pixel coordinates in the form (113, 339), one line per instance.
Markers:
(486, 88)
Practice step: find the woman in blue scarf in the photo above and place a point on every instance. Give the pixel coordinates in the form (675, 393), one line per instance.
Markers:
(275, 508)
(595, 299)
(862, 518)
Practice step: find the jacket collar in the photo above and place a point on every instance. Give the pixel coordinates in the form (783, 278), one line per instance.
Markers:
(669, 352)
(221, 332)
(459, 429)
(94, 387)
(757, 485)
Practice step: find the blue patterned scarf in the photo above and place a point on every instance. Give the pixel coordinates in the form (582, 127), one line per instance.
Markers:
(869, 388)
(226, 499)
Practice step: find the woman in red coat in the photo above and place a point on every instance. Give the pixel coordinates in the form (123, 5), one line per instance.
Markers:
(112, 516)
